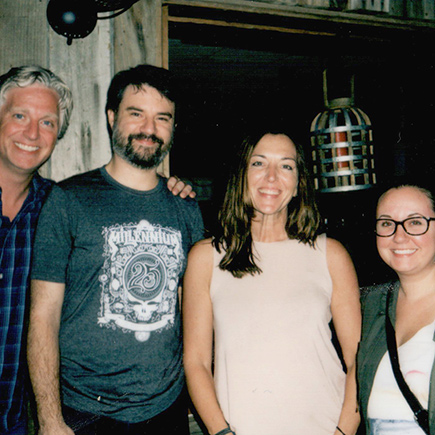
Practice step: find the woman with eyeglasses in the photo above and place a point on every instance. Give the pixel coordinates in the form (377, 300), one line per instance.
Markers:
(397, 349)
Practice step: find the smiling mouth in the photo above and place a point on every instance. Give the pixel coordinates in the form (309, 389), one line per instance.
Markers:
(404, 251)
(146, 142)
(26, 147)
(268, 192)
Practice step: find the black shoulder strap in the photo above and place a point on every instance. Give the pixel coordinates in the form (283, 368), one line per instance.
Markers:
(421, 414)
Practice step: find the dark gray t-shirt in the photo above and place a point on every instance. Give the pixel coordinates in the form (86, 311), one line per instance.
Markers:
(121, 254)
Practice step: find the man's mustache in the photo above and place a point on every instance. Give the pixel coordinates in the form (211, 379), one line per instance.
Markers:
(142, 136)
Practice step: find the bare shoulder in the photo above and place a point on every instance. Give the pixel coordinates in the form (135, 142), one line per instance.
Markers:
(203, 247)
(201, 254)
(199, 268)
(335, 250)
(340, 265)
(339, 261)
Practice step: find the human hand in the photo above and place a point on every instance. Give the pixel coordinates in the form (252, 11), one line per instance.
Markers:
(178, 187)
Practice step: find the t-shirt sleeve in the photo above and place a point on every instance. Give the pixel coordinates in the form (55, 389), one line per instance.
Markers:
(197, 229)
(53, 239)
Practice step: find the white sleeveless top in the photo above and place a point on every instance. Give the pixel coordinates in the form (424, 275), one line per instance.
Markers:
(387, 404)
(276, 370)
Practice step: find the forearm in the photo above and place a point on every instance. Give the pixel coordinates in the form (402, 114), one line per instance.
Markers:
(346, 314)
(349, 417)
(202, 392)
(43, 358)
(198, 336)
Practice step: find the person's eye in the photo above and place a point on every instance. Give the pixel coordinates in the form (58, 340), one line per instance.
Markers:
(386, 224)
(164, 119)
(289, 167)
(416, 222)
(256, 163)
(18, 116)
(47, 123)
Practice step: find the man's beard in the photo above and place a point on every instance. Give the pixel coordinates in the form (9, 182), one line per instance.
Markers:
(142, 157)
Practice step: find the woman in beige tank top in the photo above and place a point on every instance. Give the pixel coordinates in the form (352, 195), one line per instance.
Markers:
(259, 297)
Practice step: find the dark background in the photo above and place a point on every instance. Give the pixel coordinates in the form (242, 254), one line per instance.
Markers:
(232, 78)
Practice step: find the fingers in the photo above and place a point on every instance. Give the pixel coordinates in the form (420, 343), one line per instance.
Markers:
(187, 191)
(179, 187)
(172, 181)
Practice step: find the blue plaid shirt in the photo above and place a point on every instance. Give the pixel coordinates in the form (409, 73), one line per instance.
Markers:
(16, 239)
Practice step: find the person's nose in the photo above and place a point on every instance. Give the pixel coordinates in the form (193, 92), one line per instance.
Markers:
(271, 173)
(31, 131)
(148, 126)
(400, 233)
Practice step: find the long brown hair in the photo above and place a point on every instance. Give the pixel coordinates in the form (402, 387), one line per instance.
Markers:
(234, 219)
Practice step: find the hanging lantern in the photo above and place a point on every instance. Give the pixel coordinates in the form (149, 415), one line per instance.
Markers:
(342, 146)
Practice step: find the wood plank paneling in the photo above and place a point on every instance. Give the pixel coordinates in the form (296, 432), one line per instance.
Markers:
(23, 33)
(137, 35)
(285, 9)
(86, 66)
(140, 36)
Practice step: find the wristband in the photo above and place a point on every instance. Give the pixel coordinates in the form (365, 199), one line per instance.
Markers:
(340, 431)
(225, 431)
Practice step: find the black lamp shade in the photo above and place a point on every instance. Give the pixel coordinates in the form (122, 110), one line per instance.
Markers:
(73, 18)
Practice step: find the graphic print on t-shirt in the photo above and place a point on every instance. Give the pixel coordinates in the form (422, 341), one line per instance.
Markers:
(139, 278)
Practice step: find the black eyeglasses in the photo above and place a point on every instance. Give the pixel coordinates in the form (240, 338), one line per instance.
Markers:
(414, 226)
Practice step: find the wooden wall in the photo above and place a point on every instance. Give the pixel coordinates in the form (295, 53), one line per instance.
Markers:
(137, 36)
(86, 66)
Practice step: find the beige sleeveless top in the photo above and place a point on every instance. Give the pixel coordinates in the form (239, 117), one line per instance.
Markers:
(276, 370)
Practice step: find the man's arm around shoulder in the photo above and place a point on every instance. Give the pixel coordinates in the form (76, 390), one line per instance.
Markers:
(43, 354)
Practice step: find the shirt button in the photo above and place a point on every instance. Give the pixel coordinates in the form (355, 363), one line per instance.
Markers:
(1, 275)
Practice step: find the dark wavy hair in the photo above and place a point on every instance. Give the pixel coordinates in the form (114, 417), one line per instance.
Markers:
(158, 78)
(233, 233)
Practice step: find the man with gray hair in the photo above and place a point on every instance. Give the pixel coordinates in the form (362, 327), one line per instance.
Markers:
(35, 109)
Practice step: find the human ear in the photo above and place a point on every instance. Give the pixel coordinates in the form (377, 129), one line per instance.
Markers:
(110, 117)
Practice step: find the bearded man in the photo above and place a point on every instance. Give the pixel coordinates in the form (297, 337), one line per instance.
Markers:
(105, 349)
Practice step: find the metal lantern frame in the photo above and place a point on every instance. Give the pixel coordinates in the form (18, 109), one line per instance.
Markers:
(342, 146)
